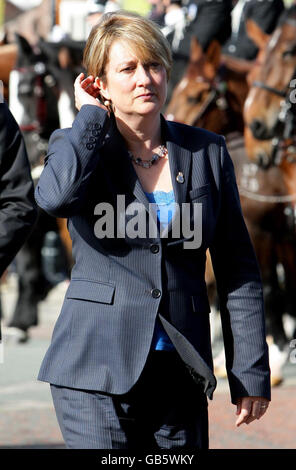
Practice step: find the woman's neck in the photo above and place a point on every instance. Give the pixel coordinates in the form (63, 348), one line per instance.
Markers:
(142, 135)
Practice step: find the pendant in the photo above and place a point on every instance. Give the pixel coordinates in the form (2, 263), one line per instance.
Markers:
(180, 177)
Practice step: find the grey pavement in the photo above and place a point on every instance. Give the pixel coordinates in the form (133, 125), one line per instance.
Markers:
(27, 417)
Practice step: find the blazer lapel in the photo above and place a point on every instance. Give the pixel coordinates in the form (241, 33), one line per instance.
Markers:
(180, 163)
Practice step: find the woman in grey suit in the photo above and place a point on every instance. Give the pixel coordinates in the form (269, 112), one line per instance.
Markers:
(130, 361)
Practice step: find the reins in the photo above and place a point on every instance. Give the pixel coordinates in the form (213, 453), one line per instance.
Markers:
(286, 121)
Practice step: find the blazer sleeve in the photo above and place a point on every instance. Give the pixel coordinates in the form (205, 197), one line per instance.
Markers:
(18, 211)
(72, 156)
(240, 293)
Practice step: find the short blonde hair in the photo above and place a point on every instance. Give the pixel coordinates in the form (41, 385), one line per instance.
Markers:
(142, 35)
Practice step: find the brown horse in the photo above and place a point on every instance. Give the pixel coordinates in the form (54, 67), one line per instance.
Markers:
(269, 113)
(270, 132)
(212, 91)
(198, 100)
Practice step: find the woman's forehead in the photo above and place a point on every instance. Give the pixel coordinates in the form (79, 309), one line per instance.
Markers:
(123, 50)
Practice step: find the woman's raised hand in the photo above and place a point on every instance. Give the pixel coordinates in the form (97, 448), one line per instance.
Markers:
(86, 91)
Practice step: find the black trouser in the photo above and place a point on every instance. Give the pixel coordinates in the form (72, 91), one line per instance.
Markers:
(165, 409)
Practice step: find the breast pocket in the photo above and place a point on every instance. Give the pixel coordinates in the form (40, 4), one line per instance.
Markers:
(92, 291)
(202, 202)
(200, 191)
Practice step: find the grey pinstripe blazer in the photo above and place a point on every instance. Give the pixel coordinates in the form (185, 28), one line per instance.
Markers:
(118, 285)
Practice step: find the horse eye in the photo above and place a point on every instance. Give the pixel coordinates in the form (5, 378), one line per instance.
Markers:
(289, 53)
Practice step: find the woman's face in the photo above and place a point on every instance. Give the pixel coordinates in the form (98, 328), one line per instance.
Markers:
(135, 88)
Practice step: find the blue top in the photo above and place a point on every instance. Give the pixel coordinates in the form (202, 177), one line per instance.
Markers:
(165, 209)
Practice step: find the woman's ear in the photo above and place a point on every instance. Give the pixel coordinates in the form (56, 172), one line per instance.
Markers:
(103, 88)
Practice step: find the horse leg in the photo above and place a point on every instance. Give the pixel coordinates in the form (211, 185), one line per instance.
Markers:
(283, 301)
(282, 334)
(274, 301)
(274, 297)
(287, 257)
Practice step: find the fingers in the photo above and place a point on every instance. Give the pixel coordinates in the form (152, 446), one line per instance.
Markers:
(87, 83)
(90, 86)
(256, 409)
(263, 408)
(249, 409)
(78, 79)
(246, 406)
(87, 91)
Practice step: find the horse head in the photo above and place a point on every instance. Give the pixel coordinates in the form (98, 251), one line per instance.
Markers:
(65, 60)
(211, 92)
(191, 93)
(269, 113)
(42, 92)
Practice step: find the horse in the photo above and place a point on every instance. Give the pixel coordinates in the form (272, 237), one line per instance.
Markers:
(34, 95)
(64, 59)
(211, 94)
(269, 113)
(270, 124)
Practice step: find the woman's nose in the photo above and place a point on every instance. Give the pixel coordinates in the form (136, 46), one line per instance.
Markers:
(143, 75)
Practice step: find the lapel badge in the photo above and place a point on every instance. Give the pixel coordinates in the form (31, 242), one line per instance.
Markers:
(180, 177)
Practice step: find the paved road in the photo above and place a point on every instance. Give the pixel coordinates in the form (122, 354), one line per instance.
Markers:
(28, 418)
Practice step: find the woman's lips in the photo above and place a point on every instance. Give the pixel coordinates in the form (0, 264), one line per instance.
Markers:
(146, 95)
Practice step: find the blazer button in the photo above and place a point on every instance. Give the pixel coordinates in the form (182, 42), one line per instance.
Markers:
(89, 146)
(154, 249)
(155, 293)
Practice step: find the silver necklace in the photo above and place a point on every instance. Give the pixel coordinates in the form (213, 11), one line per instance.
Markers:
(161, 153)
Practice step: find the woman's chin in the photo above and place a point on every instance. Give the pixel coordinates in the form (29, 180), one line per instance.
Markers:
(148, 108)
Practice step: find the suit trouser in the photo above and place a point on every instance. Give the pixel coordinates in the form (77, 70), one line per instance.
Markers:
(165, 409)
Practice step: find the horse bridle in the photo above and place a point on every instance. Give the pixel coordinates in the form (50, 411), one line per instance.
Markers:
(286, 121)
(216, 96)
(218, 89)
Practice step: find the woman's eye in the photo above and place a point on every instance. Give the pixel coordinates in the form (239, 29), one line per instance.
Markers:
(128, 69)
